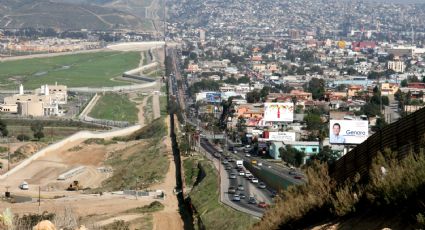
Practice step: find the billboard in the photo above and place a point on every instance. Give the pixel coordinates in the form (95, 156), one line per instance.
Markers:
(348, 131)
(282, 136)
(213, 97)
(279, 111)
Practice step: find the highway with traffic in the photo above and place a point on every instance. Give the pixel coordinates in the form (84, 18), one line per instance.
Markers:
(240, 185)
(246, 194)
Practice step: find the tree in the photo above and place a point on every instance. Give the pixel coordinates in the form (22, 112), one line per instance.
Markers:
(3, 129)
(314, 122)
(253, 96)
(403, 83)
(326, 155)
(380, 123)
(292, 155)
(317, 88)
(37, 128)
(23, 137)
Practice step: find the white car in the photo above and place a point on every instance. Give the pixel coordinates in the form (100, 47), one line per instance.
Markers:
(254, 180)
(248, 155)
(24, 186)
(260, 164)
(247, 174)
(241, 173)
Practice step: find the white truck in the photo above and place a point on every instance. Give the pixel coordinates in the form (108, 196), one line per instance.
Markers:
(239, 163)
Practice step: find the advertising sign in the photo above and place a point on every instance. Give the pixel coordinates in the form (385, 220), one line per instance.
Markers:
(279, 112)
(348, 131)
(213, 97)
(282, 136)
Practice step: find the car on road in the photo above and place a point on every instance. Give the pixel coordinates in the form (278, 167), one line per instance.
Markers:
(231, 190)
(241, 188)
(252, 200)
(225, 162)
(231, 159)
(262, 204)
(250, 177)
(241, 173)
(299, 177)
(254, 180)
(232, 176)
(262, 185)
(235, 151)
(247, 155)
(236, 197)
(228, 167)
(24, 185)
(242, 195)
(248, 174)
(292, 172)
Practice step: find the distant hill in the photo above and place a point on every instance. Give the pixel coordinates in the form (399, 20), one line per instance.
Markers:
(70, 14)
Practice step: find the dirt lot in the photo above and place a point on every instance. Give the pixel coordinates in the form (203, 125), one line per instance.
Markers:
(95, 209)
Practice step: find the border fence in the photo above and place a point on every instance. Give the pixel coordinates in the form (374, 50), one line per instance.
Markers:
(403, 136)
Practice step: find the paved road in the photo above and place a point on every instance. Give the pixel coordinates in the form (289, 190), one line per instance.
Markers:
(250, 189)
(279, 170)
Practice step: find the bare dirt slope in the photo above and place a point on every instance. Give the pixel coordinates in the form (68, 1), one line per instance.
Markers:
(169, 218)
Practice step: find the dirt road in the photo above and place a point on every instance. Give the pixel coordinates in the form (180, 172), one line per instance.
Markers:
(169, 218)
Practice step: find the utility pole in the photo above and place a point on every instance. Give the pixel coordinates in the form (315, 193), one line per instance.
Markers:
(39, 199)
(137, 182)
(8, 154)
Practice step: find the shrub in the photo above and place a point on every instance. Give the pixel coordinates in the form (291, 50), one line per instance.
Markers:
(23, 137)
(152, 207)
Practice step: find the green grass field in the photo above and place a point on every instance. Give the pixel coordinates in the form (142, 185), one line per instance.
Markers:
(76, 70)
(115, 107)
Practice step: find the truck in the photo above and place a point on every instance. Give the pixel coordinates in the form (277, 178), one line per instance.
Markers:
(239, 163)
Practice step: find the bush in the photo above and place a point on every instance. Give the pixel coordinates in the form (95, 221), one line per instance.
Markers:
(152, 207)
(117, 225)
(23, 137)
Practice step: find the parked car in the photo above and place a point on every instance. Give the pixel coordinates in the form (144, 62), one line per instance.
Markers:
(247, 174)
(250, 177)
(231, 190)
(225, 162)
(241, 188)
(262, 185)
(241, 173)
(242, 195)
(254, 180)
(232, 176)
(248, 155)
(228, 167)
(262, 204)
(236, 197)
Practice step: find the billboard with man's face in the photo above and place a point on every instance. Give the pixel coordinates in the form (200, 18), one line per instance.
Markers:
(213, 97)
(348, 131)
(279, 112)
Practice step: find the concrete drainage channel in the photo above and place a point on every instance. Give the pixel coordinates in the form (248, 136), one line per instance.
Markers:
(185, 206)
